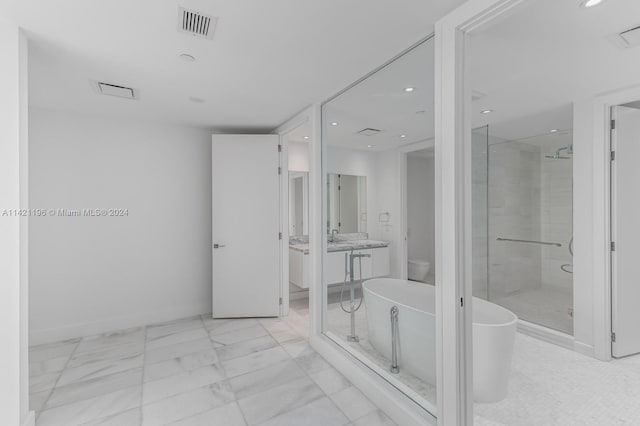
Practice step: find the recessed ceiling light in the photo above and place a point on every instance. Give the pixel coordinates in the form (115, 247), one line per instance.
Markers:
(403, 136)
(305, 137)
(369, 146)
(590, 3)
(187, 58)
(334, 124)
(196, 99)
(553, 131)
(409, 89)
(487, 111)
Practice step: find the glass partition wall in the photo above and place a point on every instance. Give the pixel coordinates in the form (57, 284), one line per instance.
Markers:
(371, 309)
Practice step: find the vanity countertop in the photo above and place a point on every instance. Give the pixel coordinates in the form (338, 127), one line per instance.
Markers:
(343, 245)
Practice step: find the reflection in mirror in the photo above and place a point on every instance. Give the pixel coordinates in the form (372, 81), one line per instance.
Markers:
(298, 203)
(372, 308)
(346, 203)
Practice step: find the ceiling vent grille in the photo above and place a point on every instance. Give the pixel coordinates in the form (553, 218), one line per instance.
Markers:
(369, 131)
(117, 91)
(631, 38)
(195, 23)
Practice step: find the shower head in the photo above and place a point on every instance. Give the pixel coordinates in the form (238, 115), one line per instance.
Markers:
(557, 156)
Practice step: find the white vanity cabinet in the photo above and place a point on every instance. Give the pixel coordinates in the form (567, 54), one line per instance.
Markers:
(299, 268)
(377, 265)
(337, 266)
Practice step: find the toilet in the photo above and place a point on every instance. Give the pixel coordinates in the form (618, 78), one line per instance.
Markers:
(418, 270)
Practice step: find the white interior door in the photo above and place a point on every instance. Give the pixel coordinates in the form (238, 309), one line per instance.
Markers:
(625, 231)
(246, 203)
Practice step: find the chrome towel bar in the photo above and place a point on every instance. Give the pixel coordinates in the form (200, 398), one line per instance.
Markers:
(544, 243)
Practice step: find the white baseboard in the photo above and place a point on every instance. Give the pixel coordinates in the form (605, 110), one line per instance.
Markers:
(584, 349)
(546, 334)
(30, 420)
(396, 405)
(555, 337)
(89, 328)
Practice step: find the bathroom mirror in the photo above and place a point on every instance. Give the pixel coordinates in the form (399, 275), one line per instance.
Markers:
(346, 203)
(298, 203)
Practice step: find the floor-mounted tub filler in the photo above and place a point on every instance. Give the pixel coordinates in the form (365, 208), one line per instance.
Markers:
(494, 331)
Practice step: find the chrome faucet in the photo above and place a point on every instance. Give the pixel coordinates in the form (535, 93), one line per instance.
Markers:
(333, 234)
(352, 296)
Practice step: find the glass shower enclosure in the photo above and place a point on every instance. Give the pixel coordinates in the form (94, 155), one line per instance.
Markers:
(523, 225)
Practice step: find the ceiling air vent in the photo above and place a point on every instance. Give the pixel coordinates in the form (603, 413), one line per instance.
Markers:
(117, 91)
(631, 38)
(195, 23)
(369, 132)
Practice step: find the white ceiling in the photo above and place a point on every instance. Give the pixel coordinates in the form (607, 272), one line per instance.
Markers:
(267, 61)
(534, 63)
(380, 102)
(529, 67)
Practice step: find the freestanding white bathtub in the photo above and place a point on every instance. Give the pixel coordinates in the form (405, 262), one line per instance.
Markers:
(494, 331)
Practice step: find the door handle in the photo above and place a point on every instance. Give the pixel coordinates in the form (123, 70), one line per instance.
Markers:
(215, 246)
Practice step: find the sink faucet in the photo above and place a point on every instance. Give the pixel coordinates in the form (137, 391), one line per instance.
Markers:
(333, 234)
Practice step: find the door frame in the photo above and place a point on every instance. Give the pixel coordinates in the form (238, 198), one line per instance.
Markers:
(453, 216)
(403, 249)
(600, 109)
(307, 116)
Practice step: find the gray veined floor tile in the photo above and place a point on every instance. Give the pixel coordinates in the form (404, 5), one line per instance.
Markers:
(179, 365)
(170, 327)
(227, 415)
(105, 340)
(185, 405)
(108, 353)
(255, 361)
(91, 409)
(221, 326)
(286, 336)
(99, 369)
(246, 347)
(375, 418)
(43, 382)
(52, 350)
(312, 363)
(177, 337)
(330, 381)
(353, 403)
(77, 391)
(263, 406)
(37, 400)
(131, 417)
(298, 348)
(321, 412)
(174, 351)
(52, 365)
(236, 336)
(275, 325)
(266, 378)
(183, 382)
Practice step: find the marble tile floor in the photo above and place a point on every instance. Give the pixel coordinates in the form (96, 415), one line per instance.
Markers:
(550, 386)
(195, 371)
(546, 305)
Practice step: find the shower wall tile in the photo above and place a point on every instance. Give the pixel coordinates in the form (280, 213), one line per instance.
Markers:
(514, 212)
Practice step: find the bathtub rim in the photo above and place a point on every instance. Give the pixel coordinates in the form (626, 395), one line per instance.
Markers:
(512, 322)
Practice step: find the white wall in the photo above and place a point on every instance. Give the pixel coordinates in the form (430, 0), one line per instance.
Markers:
(14, 378)
(97, 274)
(421, 209)
(298, 153)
